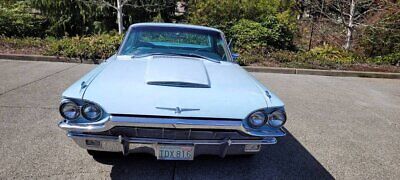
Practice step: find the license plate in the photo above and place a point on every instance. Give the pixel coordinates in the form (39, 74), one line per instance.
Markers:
(168, 152)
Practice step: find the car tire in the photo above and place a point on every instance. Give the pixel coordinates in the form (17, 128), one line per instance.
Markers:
(248, 155)
(92, 152)
(95, 153)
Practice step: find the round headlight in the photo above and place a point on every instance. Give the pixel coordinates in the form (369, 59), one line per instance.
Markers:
(257, 119)
(69, 110)
(277, 118)
(91, 112)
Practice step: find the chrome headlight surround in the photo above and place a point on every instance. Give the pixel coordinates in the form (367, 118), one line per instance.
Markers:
(267, 118)
(257, 119)
(277, 118)
(91, 111)
(72, 107)
(86, 111)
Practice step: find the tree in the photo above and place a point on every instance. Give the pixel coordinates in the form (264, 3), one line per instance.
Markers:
(85, 17)
(149, 5)
(223, 14)
(383, 37)
(348, 13)
(17, 19)
(68, 17)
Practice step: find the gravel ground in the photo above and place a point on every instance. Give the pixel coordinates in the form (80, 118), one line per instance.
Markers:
(338, 127)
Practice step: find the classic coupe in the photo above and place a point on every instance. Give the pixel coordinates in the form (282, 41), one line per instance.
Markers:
(174, 91)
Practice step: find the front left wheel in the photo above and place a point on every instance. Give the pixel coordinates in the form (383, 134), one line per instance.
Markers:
(95, 153)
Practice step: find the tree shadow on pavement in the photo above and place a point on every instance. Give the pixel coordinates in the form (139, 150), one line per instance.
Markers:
(288, 159)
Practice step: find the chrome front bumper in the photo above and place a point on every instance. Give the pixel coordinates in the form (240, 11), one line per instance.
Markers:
(84, 134)
(146, 145)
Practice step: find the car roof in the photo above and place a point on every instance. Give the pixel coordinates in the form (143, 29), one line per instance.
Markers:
(175, 25)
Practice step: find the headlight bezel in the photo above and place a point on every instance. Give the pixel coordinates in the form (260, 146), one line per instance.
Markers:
(87, 105)
(280, 112)
(80, 104)
(268, 112)
(69, 102)
(257, 113)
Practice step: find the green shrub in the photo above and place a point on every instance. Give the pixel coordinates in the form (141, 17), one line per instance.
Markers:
(330, 55)
(390, 59)
(85, 48)
(250, 57)
(27, 45)
(223, 14)
(382, 38)
(17, 21)
(92, 47)
(255, 40)
(282, 56)
(268, 34)
(325, 57)
(19, 43)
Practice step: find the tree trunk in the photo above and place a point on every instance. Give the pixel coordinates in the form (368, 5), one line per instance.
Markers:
(311, 35)
(349, 38)
(350, 26)
(119, 17)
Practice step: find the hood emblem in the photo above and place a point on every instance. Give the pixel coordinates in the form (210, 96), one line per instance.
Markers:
(177, 110)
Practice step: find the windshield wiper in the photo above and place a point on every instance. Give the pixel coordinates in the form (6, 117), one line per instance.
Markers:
(177, 54)
(199, 56)
(148, 54)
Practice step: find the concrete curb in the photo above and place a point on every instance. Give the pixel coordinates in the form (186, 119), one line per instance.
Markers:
(24, 57)
(323, 72)
(248, 68)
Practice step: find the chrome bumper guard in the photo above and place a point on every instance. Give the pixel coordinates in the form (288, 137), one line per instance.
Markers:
(177, 123)
(146, 145)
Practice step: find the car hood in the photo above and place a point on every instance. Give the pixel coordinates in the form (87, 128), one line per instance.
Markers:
(176, 72)
(157, 85)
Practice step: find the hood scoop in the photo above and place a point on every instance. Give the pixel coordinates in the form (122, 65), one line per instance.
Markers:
(177, 72)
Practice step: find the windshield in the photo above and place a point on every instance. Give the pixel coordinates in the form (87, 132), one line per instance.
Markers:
(143, 41)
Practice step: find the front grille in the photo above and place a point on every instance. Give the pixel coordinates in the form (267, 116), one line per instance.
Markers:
(178, 134)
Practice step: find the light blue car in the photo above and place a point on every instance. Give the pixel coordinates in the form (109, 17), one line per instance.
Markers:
(173, 91)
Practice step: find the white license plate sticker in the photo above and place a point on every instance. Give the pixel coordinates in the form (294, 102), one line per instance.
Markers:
(168, 152)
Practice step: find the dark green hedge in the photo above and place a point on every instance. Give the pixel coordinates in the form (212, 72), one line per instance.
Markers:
(18, 20)
(260, 38)
(92, 47)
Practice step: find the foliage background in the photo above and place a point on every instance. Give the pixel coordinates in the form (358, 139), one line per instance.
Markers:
(18, 20)
(284, 33)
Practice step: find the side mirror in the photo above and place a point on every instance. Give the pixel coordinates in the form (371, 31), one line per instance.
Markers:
(235, 56)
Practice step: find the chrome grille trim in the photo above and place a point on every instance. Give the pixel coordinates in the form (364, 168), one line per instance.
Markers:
(178, 134)
(173, 117)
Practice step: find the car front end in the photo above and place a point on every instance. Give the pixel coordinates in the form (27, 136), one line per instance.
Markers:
(173, 91)
(94, 129)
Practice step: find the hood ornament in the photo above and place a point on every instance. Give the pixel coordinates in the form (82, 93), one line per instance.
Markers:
(177, 110)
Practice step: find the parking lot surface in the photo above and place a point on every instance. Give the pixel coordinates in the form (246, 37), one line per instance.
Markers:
(338, 127)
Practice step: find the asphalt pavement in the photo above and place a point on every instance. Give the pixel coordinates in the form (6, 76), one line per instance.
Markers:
(338, 127)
